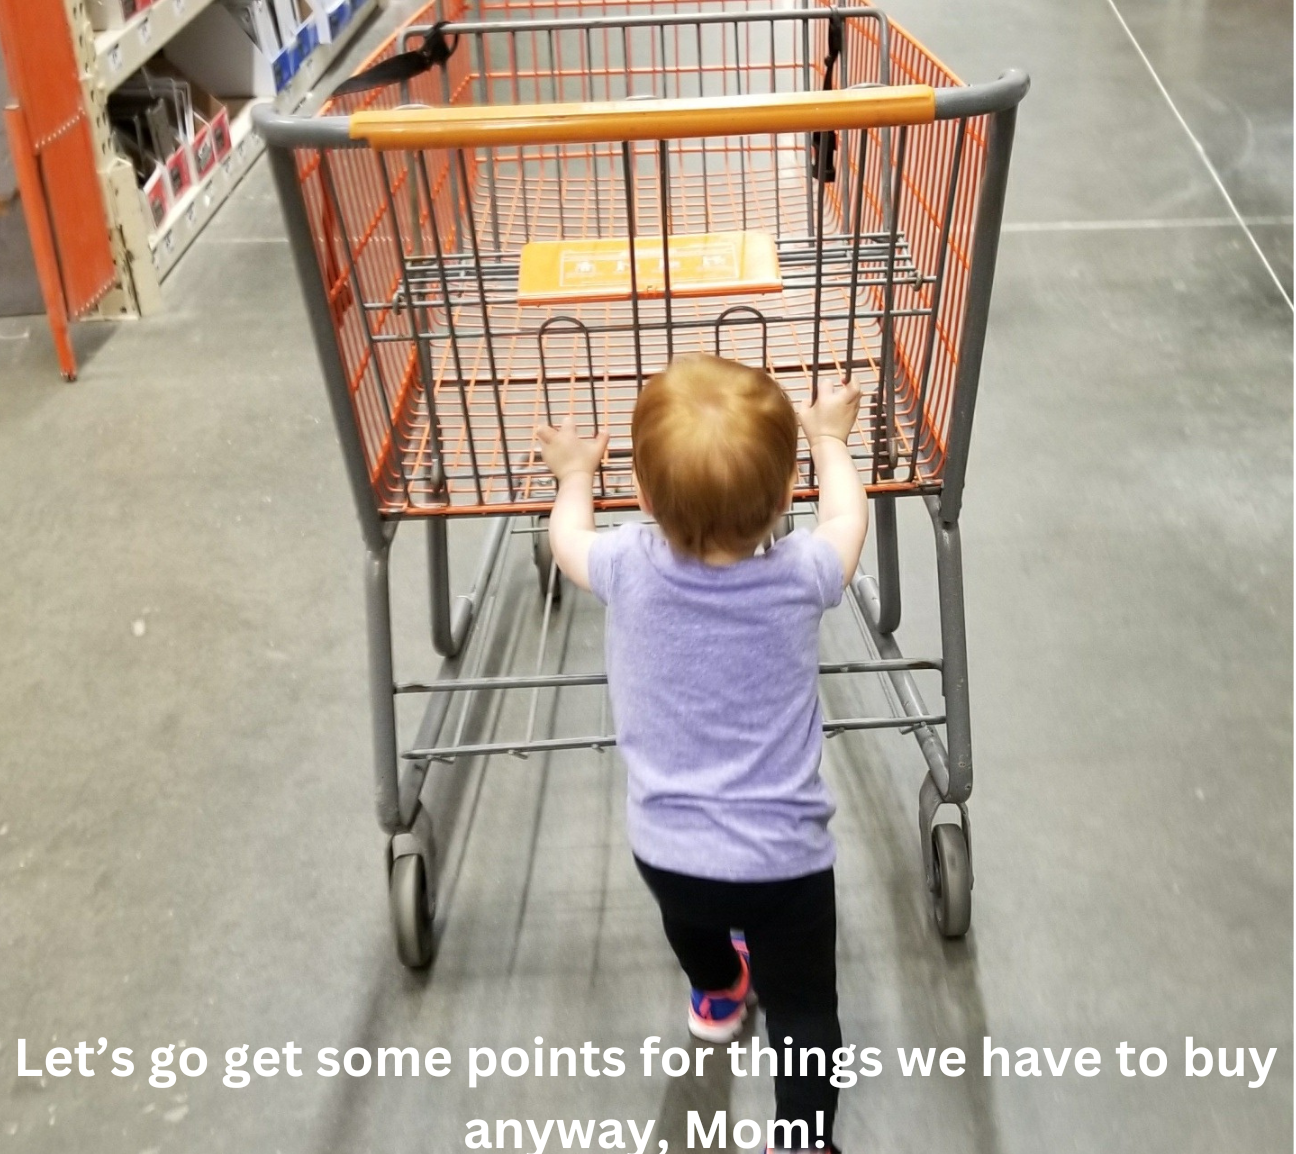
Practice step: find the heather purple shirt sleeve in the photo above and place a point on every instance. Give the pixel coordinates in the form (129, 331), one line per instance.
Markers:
(823, 561)
(604, 555)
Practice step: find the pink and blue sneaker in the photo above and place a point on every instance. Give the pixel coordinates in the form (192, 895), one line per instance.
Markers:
(718, 1015)
(739, 940)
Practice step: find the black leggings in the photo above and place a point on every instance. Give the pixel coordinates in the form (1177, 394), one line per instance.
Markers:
(791, 929)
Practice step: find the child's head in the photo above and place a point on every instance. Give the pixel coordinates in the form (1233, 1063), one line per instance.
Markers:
(714, 453)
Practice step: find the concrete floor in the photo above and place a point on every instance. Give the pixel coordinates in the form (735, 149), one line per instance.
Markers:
(187, 850)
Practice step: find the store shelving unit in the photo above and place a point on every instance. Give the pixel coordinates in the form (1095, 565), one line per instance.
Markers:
(100, 252)
(124, 50)
(146, 254)
(191, 214)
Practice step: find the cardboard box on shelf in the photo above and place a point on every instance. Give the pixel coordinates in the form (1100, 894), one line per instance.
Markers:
(216, 53)
(152, 121)
(286, 20)
(307, 40)
(211, 143)
(210, 113)
(157, 196)
(204, 152)
(285, 66)
(220, 134)
(179, 172)
(331, 16)
(256, 17)
(105, 15)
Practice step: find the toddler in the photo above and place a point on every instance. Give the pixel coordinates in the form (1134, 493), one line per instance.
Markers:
(712, 665)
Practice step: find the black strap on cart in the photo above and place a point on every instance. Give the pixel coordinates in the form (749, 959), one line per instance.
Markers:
(436, 49)
(823, 145)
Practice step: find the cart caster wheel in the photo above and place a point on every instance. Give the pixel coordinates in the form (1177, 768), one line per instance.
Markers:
(544, 567)
(410, 913)
(952, 900)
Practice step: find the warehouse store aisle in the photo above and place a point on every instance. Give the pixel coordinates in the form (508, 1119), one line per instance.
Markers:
(187, 848)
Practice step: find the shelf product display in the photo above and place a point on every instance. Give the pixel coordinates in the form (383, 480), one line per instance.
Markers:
(134, 122)
(173, 132)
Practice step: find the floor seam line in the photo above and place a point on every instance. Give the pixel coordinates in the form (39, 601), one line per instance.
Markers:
(1132, 225)
(1201, 152)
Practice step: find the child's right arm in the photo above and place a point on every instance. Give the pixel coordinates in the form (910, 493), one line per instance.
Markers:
(843, 504)
(574, 462)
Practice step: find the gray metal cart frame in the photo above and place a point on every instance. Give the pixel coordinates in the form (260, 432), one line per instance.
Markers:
(883, 202)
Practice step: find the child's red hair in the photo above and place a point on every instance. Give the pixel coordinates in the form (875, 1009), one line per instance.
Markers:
(715, 453)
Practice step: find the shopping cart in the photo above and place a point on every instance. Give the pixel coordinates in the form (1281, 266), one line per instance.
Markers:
(541, 214)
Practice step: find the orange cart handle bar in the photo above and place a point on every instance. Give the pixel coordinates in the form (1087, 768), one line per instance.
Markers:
(489, 126)
(493, 126)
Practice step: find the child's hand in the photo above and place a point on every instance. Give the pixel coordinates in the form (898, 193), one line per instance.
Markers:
(566, 453)
(832, 415)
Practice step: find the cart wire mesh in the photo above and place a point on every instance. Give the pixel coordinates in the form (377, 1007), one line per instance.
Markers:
(450, 368)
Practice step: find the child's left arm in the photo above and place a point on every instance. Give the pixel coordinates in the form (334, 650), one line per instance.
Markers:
(573, 461)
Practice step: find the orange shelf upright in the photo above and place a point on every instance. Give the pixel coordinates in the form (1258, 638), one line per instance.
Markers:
(55, 160)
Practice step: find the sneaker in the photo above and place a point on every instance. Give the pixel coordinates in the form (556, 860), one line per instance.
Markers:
(739, 940)
(718, 1015)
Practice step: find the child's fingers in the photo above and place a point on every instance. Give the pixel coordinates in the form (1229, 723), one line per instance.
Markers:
(545, 433)
(844, 397)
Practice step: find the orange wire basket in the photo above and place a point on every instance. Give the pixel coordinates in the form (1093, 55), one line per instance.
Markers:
(479, 285)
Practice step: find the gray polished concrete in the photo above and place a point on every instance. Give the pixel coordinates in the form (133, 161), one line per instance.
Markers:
(19, 290)
(187, 849)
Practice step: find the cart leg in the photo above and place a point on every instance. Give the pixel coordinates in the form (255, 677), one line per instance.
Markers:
(412, 876)
(947, 846)
(929, 801)
(382, 703)
(411, 850)
(449, 622)
(947, 862)
(413, 862)
(958, 726)
(888, 555)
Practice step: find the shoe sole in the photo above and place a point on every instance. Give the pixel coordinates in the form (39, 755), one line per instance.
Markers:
(725, 1031)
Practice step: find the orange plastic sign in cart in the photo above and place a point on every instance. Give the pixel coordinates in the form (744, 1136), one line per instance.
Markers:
(709, 264)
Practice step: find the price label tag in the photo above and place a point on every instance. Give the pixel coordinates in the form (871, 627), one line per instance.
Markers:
(191, 215)
(168, 243)
(115, 58)
(242, 150)
(146, 31)
(227, 166)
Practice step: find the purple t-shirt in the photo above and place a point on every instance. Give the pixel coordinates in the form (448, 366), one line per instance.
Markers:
(713, 673)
